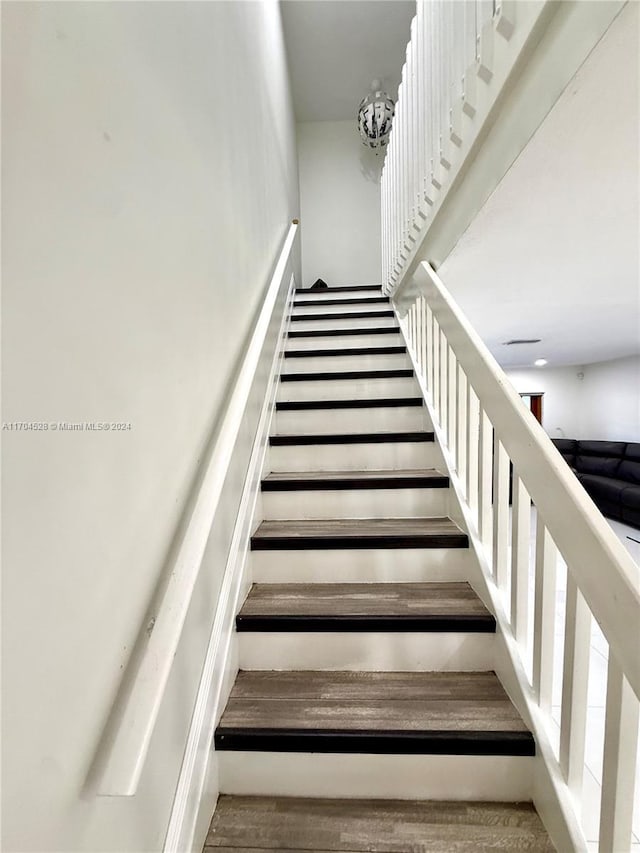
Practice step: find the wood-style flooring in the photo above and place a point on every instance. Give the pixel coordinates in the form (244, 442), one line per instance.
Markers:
(291, 825)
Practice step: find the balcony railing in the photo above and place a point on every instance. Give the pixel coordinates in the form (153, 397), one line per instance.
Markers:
(458, 59)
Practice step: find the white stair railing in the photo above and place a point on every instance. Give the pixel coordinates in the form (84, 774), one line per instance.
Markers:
(459, 57)
(484, 427)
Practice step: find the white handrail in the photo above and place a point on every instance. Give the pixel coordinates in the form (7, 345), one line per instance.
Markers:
(483, 426)
(603, 569)
(134, 716)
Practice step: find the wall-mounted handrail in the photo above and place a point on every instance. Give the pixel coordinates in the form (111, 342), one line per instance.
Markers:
(136, 709)
(485, 427)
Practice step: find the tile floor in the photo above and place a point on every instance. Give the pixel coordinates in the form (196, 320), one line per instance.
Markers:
(596, 690)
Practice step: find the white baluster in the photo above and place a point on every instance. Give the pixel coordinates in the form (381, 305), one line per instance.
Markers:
(445, 83)
(520, 544)
(485, 452)
(444, 387)
(461, 441)
(505, 18)
(619, 761)
(573, 719)
(411, 316)
(473, 437)
(452, 404)
(500, 514)
(544, 616)
(436, 368)
(420, 111)
(415, 182)
(429, 350)
(421, 335)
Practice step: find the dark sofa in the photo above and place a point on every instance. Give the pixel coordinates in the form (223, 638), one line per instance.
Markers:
(609, 472)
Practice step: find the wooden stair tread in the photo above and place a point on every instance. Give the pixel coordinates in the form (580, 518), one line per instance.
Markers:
(322, 353)
(364, 607)
(352, 533)
(365, 403)
(363, 599)
(398, 712)
(386, 826)
(333, 376)
(329, 333)
(351, 438)
(386, 479)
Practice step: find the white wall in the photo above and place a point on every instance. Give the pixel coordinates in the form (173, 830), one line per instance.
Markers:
(149, 180)
(603, 404)
(562, 401)
(611, 400)
(339, 204)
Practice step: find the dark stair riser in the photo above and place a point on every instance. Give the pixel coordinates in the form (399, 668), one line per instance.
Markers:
(347, 543)
(376, 742)
(482, 624)
(356, 300)
(328, 376)
(301, 484)
(351, 438)
(323, 353)
(375, 403)
(343, 315)
(347, 332)
(343, 288)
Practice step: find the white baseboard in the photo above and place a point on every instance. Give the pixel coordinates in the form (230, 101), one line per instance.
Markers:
(196, 791)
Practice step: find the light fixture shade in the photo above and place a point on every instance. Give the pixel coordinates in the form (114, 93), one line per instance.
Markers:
(375, 115)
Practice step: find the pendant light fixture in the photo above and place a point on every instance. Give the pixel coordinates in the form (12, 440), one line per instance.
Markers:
(375, 115)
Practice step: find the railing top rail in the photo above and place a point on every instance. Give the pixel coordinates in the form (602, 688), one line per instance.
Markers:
(124, 747)
(605, 573)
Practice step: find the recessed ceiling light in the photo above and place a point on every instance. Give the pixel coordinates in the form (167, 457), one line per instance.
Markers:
(540, 362)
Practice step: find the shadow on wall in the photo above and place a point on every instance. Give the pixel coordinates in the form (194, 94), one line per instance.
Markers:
(371, 164)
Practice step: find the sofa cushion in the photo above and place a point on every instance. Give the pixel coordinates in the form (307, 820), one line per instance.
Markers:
(601, 448)
(567, 448)
(629, 471)
(565, 445)
(604, 488)
(633, 451)
(600, 465)
(631, 497)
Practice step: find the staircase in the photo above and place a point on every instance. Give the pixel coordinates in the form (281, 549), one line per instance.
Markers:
(366, 713)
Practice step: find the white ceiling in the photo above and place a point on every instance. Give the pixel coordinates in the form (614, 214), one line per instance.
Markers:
(337, 47)
(554, 252)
